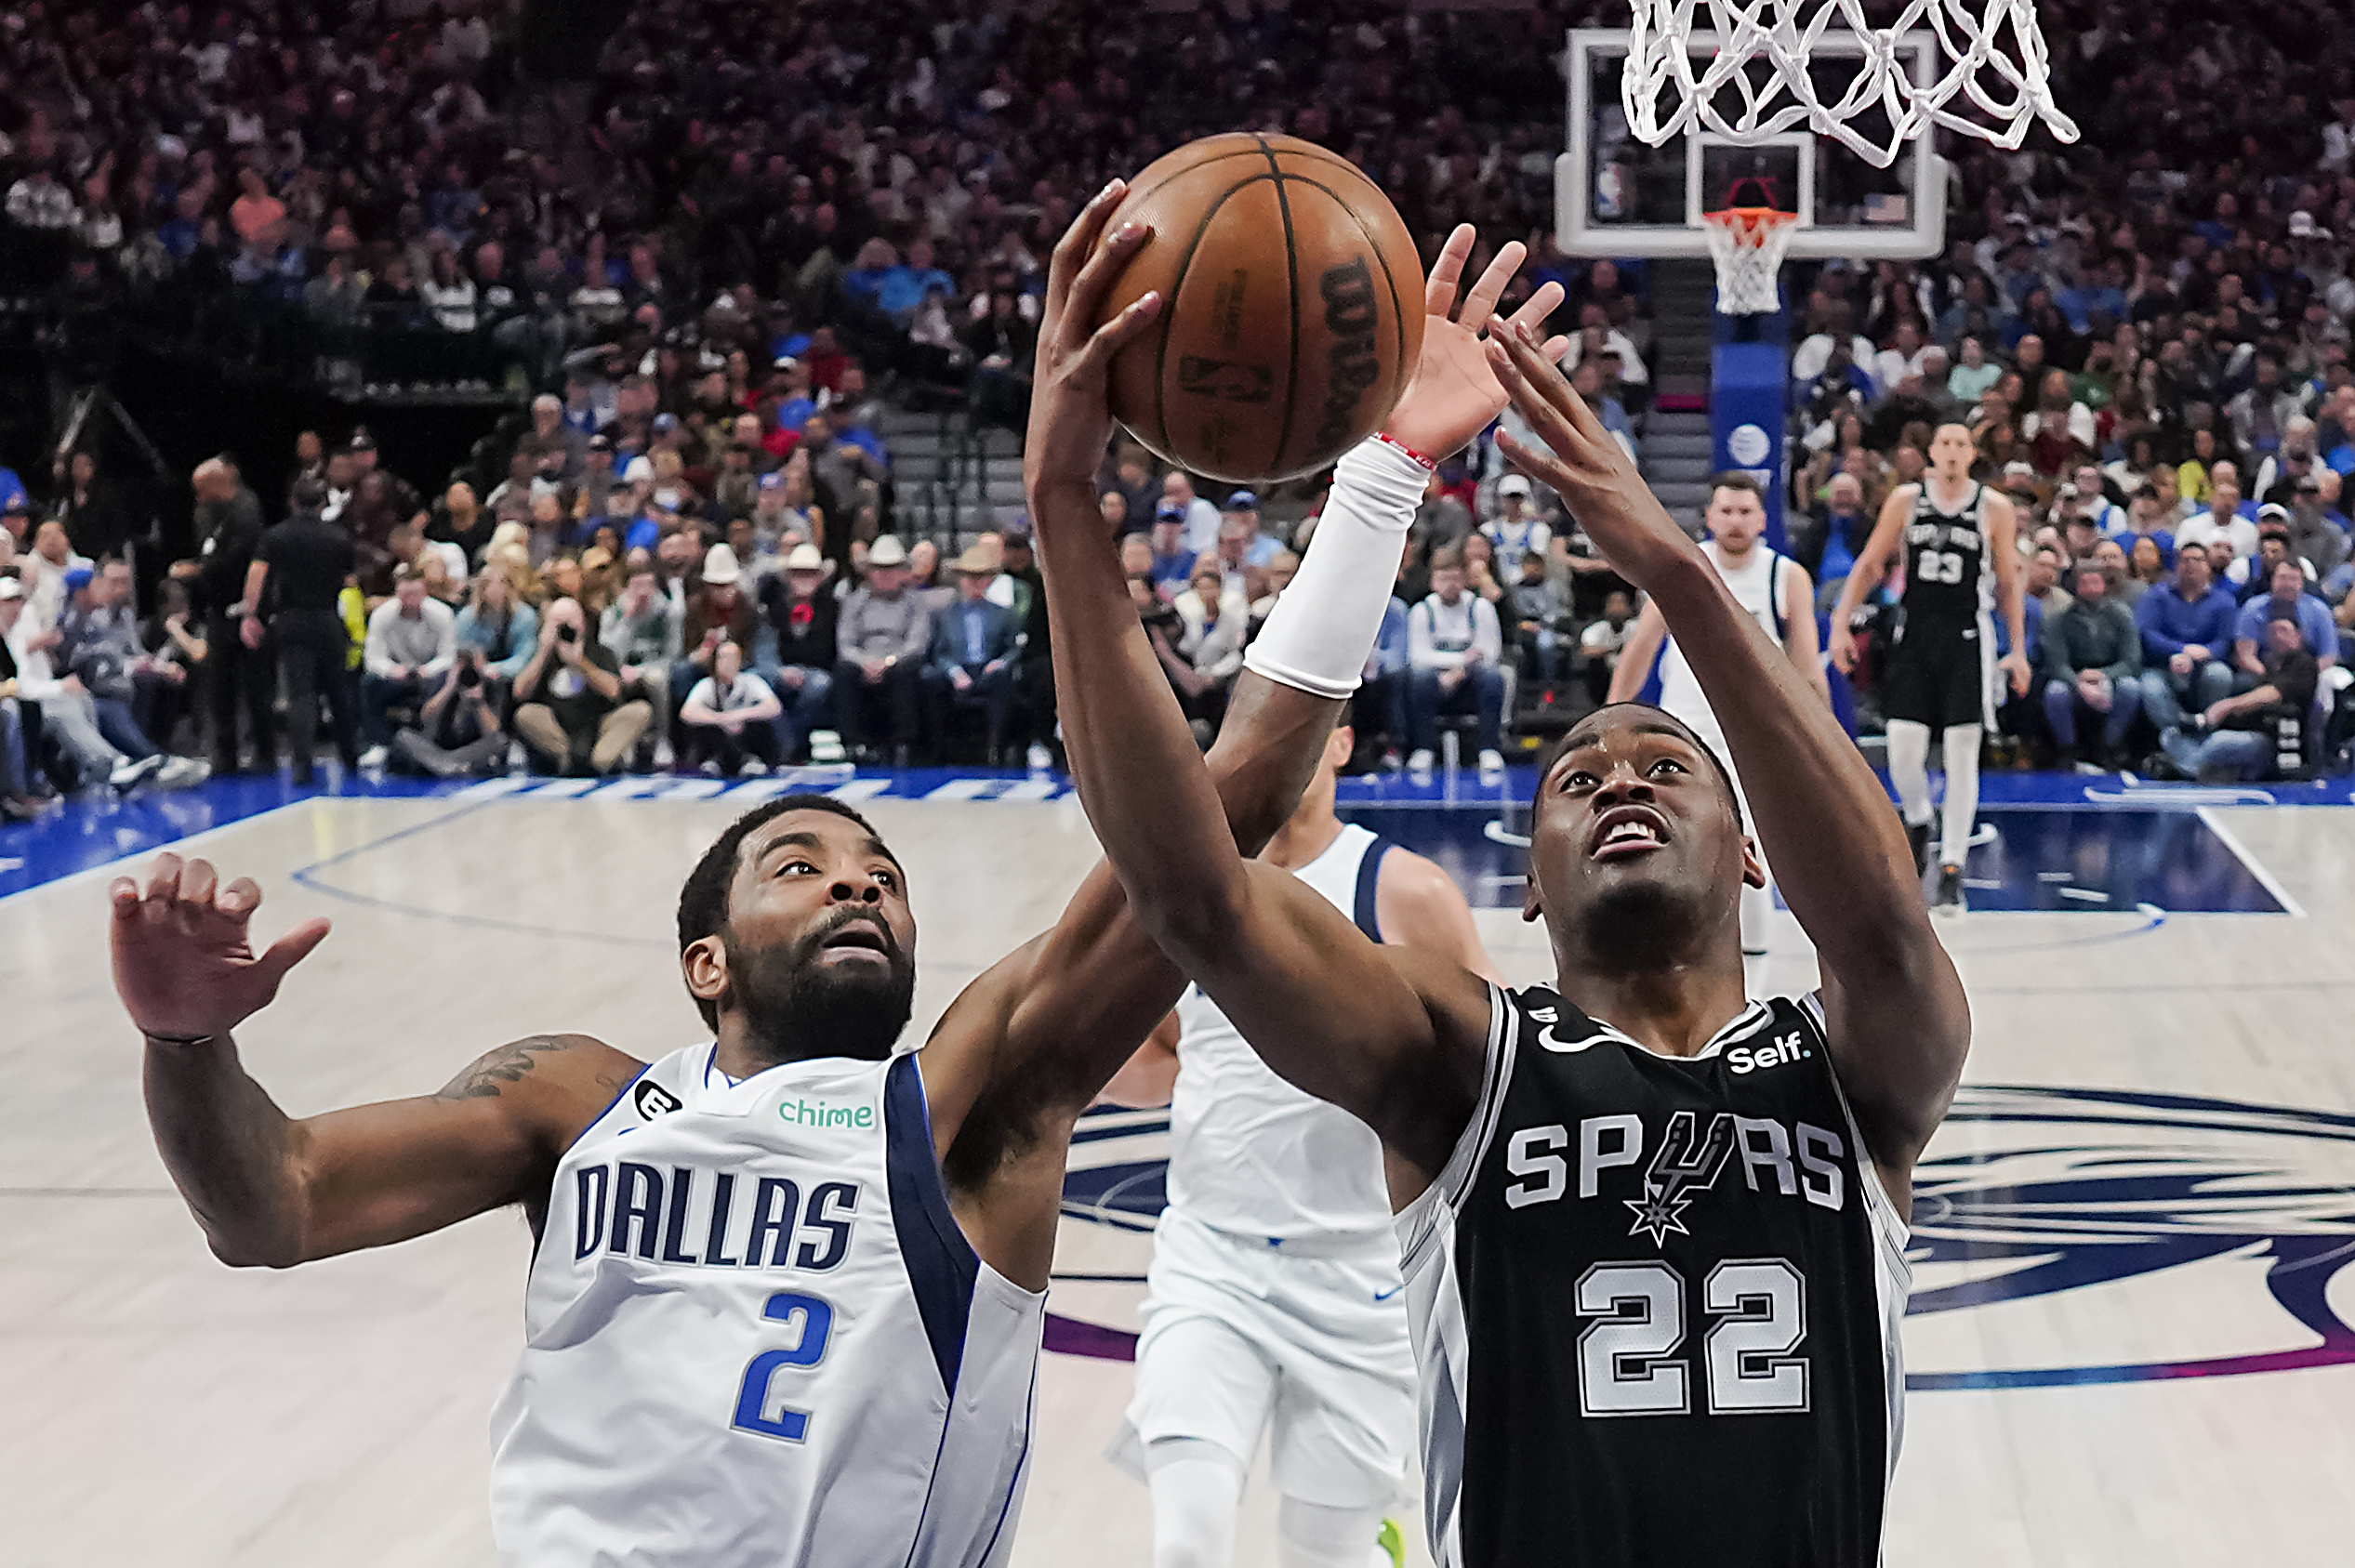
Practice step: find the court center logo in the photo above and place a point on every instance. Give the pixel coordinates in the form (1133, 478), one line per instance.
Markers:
(2048, 1226)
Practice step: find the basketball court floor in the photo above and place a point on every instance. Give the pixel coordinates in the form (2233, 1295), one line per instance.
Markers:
(2132, 1339)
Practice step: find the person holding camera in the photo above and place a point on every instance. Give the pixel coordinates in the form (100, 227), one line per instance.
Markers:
(569, 707)
(458, 733)
(2237, 739)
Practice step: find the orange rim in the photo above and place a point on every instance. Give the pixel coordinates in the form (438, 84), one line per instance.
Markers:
(1750, 226)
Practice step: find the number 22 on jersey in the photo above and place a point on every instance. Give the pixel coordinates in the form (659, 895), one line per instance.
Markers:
(1626, 1364)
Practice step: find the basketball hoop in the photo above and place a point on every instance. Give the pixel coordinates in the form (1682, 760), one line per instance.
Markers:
(1747, 245)
(1994, 54)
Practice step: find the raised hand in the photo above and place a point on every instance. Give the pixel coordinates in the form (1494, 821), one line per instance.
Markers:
(182, 964)
(1454, 393)
(1587, 467)
(1070, 407)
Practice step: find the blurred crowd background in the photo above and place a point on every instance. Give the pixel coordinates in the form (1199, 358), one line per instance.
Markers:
(711, 290)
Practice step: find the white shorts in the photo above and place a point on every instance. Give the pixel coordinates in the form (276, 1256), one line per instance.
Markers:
(1240, 1336)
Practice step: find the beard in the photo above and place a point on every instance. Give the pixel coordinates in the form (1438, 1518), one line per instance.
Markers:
(1639, 926)
(796, 1005)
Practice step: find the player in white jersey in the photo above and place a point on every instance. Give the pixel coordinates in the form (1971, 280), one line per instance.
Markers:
(788, 1286)
(1273, 1302)
(1775, 591)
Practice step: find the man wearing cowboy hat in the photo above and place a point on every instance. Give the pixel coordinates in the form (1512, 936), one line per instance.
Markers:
(801, 616)
(881, 640)
(975, 650)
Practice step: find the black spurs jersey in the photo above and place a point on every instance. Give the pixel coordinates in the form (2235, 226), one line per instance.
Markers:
(1655, 1304)
(1948, 577)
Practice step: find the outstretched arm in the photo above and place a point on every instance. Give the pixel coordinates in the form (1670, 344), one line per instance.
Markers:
(1027, 1047)
(1366, 1029)
(275, 1189)
(1899, 1023)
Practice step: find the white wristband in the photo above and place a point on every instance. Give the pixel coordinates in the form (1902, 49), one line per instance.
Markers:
(1317, 637)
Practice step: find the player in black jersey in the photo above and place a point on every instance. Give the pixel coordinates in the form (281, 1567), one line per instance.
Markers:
(1957, 535)
(1653, 1231)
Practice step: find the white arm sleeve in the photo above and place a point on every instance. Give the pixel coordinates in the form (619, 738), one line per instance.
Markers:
(1324, 625)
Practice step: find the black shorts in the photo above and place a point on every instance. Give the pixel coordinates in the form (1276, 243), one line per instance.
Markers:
(1940, 674)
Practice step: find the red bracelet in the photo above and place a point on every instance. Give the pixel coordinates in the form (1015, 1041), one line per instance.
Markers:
(1430, 464)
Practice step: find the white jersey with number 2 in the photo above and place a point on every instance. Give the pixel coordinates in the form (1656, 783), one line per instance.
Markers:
(754, 1334)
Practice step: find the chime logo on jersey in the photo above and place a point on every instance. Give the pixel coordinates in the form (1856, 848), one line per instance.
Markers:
(2026, 1193)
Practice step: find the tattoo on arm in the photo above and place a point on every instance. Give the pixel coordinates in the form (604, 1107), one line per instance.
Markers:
(490, 1073)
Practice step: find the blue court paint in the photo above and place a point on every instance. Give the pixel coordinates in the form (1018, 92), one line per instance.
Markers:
(2066, 843)
(2066, 859)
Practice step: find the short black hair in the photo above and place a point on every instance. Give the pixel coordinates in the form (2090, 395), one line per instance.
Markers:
(1553, 754)
(703, 902)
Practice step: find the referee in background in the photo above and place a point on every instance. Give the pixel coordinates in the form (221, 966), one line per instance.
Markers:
(298, 568)
(228, 527)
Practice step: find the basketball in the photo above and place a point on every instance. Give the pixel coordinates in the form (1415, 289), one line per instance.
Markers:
(1292, 314)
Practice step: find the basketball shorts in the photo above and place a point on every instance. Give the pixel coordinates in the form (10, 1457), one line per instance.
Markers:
(1940, 674)
(1241, 1336)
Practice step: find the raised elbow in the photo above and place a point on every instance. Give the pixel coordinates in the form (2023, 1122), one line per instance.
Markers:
(1189, 914)
(255, 1252)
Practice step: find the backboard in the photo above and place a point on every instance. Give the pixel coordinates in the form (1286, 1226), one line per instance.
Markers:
(1615, 196)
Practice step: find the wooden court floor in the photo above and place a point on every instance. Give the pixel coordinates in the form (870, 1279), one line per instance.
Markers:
(2138, 1233)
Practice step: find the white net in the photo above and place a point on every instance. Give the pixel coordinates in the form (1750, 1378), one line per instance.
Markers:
(1990, 55)
(1747, 245)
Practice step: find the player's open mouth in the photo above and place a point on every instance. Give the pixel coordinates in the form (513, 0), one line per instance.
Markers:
(1625, 831)
(859, 936)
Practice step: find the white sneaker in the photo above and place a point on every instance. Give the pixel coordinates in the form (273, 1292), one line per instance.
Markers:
(1491, 767)
(183, 772)
(1421, 761)
(1039, 758)
(753, 768)
(127, 773)
(373, 760)
(710, 768)
(665, 759)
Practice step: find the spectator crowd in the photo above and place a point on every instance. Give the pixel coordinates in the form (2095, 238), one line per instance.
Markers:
(754, 222)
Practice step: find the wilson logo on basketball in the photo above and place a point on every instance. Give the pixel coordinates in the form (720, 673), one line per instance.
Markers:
(1225, 380)
(1351, 317)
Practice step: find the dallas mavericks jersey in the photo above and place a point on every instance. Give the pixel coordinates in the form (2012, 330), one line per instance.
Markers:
(755, 1334)
(1757, 586)
(1947, 578)
(1655, 1303)
(1250, 1154)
